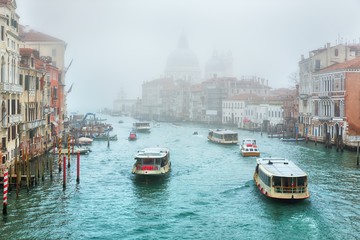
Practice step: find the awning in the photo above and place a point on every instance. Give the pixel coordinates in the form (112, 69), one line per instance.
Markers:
(54, 123)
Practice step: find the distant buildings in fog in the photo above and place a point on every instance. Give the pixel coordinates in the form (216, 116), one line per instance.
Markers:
(321, 107)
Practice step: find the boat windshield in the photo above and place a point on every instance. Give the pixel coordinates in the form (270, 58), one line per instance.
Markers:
(289, 184)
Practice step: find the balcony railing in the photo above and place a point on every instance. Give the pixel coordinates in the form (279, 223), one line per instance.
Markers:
(11, 87)
(34, 124)
(324, 95)
(15, 119)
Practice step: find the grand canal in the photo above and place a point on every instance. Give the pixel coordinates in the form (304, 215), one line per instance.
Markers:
(209, 193)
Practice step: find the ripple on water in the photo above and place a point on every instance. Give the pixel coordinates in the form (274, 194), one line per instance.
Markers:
(209, 193)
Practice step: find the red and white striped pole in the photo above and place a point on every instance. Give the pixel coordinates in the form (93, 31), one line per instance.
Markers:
(6, 185)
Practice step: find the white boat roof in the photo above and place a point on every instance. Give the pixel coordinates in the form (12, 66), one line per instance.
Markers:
(281, 167)
(223, 131)
(154, 152)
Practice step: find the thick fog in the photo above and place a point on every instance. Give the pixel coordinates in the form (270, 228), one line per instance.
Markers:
(118, 44)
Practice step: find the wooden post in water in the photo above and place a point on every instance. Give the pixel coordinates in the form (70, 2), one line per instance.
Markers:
(69, 151)
(27, 171)
(78, 167)
(72, 145)
(18, 177)
(357, 154)
(64, 173)
(36, 170)
(6, 185)
(43, 166)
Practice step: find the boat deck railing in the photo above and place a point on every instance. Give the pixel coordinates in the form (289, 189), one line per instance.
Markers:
(299, 189)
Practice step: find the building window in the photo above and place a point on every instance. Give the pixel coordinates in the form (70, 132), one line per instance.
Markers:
(317, 65)
(2, 33)
(53, 53)
(336, 52)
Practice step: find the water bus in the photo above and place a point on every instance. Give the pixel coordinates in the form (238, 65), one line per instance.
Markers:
(280, 178)
(152, 161)
(223, 136)
(141, 126)
(249, 148)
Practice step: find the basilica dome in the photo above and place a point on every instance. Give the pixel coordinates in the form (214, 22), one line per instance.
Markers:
(182, 63)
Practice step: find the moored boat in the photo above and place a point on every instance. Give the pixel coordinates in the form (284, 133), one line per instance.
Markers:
(85, 141)
(280, 178)
(75, 151)
(105, 137)
(292, 139)
(152, 161)
(141, 126)
(223, 136)
(249, 148)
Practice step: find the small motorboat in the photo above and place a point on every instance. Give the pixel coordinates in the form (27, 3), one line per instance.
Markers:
(132, 136)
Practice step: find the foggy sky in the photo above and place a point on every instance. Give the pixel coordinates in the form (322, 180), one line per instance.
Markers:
(118, 44)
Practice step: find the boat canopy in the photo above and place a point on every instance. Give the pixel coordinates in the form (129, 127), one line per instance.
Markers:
(281, 167)
(152, 152)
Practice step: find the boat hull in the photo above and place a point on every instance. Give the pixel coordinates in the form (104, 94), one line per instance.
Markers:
(150, 172)
(270, 193)
(220, 141)
(250, 154)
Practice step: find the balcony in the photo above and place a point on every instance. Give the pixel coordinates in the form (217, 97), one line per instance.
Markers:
(324, 95)
(324, 118)
(34, 124)
(304, 96)
(11, 88)
(15, 119)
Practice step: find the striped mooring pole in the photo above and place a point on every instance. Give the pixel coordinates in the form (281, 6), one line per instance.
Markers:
(59, 152)
(6, 185)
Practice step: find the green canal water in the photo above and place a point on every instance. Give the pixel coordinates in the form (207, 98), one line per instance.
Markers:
(209, 193)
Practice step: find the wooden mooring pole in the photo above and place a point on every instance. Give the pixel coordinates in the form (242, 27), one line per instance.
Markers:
(78, 167)
(357, 154)
(69, 145)
(64, 173)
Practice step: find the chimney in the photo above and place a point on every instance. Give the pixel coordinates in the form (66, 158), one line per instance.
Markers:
(328, 45)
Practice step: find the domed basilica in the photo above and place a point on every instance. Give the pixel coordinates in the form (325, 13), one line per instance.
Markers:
(182, 63)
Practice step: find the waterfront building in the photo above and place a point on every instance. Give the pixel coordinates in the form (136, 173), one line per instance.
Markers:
(10, 88)
(52, 99)
(34, 127)
(123, 106)
(318, 59)
(253, 112)
(234, 110)
(196, 104)
(335, 104)
(52, 47)
(152, 97)
(290, 107)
